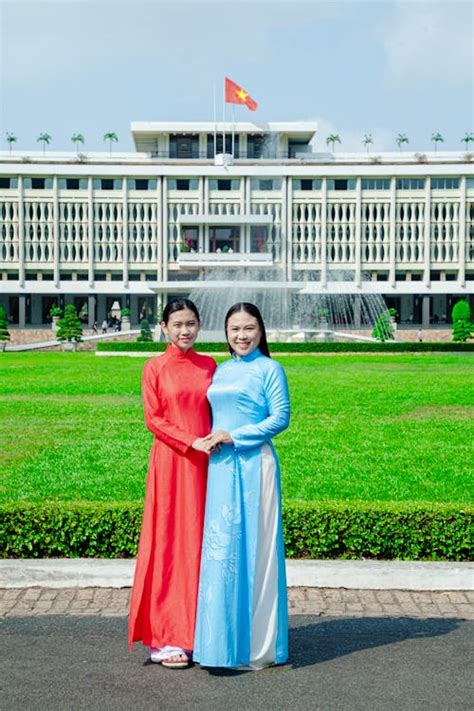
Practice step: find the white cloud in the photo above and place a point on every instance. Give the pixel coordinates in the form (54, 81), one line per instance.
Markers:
(428, 41)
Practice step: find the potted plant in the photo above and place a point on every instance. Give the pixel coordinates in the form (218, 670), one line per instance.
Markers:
(125, 313)
(4, 332)
(55, 314)
(69, 329)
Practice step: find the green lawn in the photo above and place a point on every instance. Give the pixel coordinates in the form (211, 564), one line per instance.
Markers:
(386, 428)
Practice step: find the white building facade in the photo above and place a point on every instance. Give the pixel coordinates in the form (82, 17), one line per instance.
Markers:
(138, 227)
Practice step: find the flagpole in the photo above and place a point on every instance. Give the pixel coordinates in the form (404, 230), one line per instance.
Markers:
(215, 117)
(233, 129)
(223, 123)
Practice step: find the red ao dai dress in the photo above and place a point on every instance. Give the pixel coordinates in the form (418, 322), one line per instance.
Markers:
(164, 593)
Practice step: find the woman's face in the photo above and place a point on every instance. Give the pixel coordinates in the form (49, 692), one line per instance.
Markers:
(243, 333)
(182, 329)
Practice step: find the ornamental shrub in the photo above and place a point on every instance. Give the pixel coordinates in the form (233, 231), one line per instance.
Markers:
(316, 529)
(461, 318)
(4, 332)
(383, 329)
(146, 335)
(69, 326)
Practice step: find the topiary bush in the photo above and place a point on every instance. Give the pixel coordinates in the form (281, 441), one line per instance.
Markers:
(146, 335)
(461, 319)
(4, 332)
(69, 326)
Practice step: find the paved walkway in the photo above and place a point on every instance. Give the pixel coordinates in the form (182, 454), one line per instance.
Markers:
(113, 602)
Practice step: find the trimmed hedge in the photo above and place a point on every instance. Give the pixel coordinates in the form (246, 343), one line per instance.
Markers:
(310, 347)
(312, 530)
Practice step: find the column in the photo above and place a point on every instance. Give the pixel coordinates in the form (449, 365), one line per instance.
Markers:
(242, 145)
(286, 223)
(125, 231)
(392, 233)
(247, 209)
(90, 231)
(203, 145)
(55, 231)
(324, 213)
(206, 211)
(159, 229)
(164, 235)
(21, 234)
(427, 234)
(358, 232)
(425, 311)
(201, 211)
(91, 310)
(462, 233)
(289, 230)
(22, 311)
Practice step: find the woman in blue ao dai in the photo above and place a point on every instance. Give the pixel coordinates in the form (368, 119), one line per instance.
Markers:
(242, 616)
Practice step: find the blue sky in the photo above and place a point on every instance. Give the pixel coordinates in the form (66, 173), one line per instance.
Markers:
(379, 67)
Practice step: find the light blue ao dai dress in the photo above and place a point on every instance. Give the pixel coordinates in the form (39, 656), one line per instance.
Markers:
(242, 615)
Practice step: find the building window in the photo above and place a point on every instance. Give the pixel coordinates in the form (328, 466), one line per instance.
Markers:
(190, 237)
(82, 276)
(376, 184)
(258, 237)
(141, 184)
(72, 183)
(107, 183)
(182, 184)
(48, 276)
(470, 183)
(306, 184)
(224, 184)
(224, 239)
(100, 276)
(444, 183)
(341, 184)
(184, 147)
(134, 276)
(262, 146)
(219, 143)
(266, 184)
(410, 183)
(38, 183)
(8, 183)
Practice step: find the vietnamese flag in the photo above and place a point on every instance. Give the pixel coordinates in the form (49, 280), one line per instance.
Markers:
(235, 94)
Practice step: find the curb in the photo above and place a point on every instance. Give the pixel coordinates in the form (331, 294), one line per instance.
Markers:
(348, 574)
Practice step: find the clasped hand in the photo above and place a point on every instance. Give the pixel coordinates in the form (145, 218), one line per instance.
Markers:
(212, 441)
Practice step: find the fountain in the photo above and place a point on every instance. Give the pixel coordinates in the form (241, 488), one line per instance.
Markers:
(293, 311)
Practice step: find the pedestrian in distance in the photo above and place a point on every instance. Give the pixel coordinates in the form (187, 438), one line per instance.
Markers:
(104, 326)
(419, 335)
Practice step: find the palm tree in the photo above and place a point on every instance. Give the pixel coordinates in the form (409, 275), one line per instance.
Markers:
(111, 137)
(367, 140)
(437, 138)
(45, 139)
(333, 138)
(402, 138)
(11, 139)
(77, 138)
(468, 138)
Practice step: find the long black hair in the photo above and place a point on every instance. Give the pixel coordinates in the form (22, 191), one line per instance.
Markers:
(179, 305)
(251, 310)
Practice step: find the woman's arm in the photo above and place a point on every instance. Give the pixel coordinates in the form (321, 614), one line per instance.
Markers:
(163, 429)
(276, 393)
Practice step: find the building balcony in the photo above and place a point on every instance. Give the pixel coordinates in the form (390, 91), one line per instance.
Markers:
(197, 260)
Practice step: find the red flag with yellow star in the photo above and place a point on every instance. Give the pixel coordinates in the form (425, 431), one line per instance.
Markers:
(235, 94)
